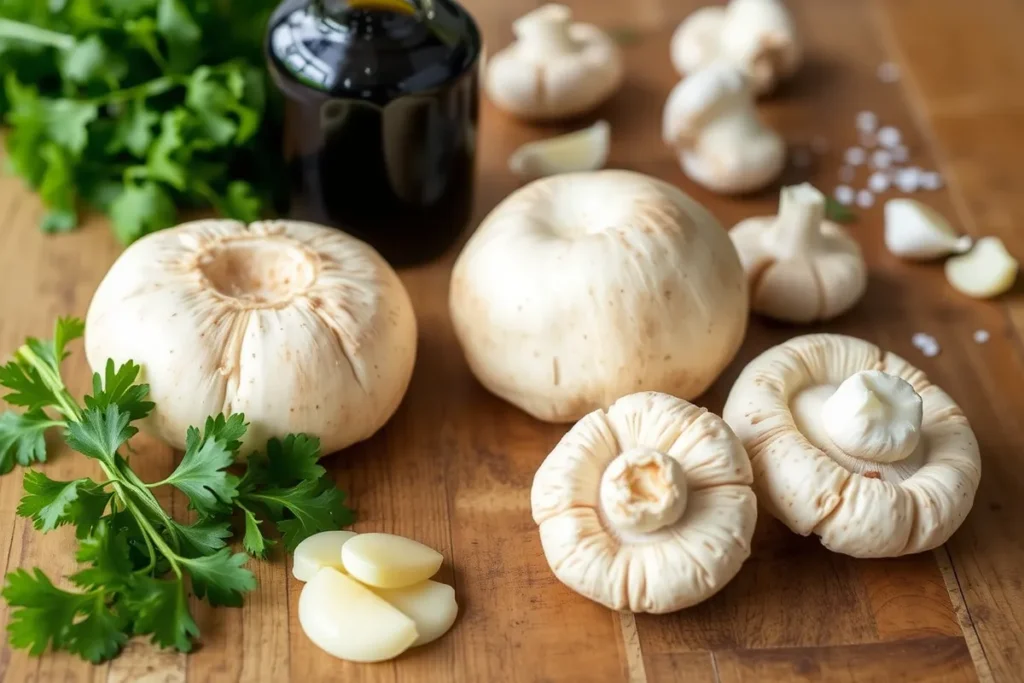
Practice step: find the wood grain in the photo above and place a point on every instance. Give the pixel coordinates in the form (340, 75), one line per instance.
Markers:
(454, 466)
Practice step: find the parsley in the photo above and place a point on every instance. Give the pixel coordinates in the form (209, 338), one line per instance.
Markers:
(137, 562)
(840, 213)
(139, 109)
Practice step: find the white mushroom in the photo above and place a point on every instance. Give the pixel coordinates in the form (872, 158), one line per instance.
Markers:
(711, 122)
(300, 327)
(555, 69)
(854, 444)
(646, 506)
(915, 231)
(580, 288)
(756, 36)
(801, 267)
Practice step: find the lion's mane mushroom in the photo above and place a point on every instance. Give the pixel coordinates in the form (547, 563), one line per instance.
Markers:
(711, 122)
(646, 506)
(555, 69)
(756, 36)
(801, 267)
(300, 327)
(583, 287)
(854, 444)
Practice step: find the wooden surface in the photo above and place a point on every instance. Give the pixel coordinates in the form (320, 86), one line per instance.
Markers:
(454, 466)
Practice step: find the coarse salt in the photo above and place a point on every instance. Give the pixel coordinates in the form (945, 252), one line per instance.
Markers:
(981, 336)
(888, 72)
(908, 179)
(855, 156)
(931, 180)
(867, 140)
(921, 339)
(846, 174)
(878, 182)
(899, 154)
(865, 199)
(889, 137)
(844, 194)
(867, 121)
(881, 158)
(931, 351)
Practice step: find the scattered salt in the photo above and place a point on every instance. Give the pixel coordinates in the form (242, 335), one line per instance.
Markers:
(981, 336)
(908, 179)
(846, 174)
(867, 121)
(881, 158)
(931, 351)
(899, 154)
(888, 72)
(889, 137)
(878, 182)
(865, 199)
(844, 194)
(921, 339)
(931, 180)
(867, 140)
(855, 156)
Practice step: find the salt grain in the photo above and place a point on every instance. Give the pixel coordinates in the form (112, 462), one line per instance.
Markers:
(889, 137)
(908, 179)
(881, 158)
(867, 140)
(865, 199)
(878, 182)
(867, 121)
(855, 156)
(844, 194)
(930, 180)
(846, 174)
(888, 72)
(981, 336)
(899, 154)
(921, 339)
(931, 351)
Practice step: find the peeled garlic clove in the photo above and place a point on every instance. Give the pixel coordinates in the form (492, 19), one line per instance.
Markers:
(581, 150)
(917, 232)
(346, 619)
(388, 561)
(985, 271)
(431, 605)
(319, 551)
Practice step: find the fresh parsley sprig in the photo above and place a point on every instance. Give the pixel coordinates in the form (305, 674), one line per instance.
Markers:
(138, 562)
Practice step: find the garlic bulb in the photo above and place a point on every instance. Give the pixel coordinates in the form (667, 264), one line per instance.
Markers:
(581, 150)
(300, 327)
(915, 231)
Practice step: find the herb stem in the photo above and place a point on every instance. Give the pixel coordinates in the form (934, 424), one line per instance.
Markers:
(65, 402)
(17, 30)
(157, 86)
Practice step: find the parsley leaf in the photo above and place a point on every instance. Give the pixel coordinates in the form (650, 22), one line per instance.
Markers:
(117, 387)
(314, 506)
(202, 474)
(21, 438)
(140, 210)
(253, 541)
(229, 430)
(161, 609)
(100, 433)
(220, 577)
(106, 551)
(52, 503)
(203, 537)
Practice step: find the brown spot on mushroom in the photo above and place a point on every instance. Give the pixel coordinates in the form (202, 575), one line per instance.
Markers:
(872, 474)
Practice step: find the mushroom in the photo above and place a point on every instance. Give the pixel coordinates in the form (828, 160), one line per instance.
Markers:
(801, 267)
(580, 288)
(646, 506)
(854, 444)
(300, 327)
(555, 69)
(756, 36)
(711, 122)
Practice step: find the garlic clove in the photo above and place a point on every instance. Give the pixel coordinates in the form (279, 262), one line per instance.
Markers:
(347, 620)
(319, 551)
(389, 561)
(985, 271)
(581, 150)
(431, 605)
(916, 232)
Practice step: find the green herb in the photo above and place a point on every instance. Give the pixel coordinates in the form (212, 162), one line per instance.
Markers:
(137, 561)
(624, 35)
(840, 213)
(139, 108)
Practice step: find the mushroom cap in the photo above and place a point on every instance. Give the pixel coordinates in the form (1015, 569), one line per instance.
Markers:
(695, 42)
(550, 85)
(300, 327)
(583, 287)
(817, 284)
(661, 571)
(857, 507)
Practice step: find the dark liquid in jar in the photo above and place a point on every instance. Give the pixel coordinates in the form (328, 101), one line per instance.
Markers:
(380, 118)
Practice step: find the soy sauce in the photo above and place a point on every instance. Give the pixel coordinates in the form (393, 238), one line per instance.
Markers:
(380, 118)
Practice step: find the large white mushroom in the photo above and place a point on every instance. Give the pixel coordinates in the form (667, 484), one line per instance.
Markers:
(580, 288)
(854, 444)
(646, 506)
(300, 327)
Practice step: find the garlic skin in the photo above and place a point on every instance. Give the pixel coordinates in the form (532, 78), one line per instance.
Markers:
(581, 150)
(555, 69)
(985, 271)
(756, 36)
(300, 327)
(916, 232)
(874, 416)
(711, 121)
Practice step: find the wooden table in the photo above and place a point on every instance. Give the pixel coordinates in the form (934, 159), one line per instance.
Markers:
(454, 466)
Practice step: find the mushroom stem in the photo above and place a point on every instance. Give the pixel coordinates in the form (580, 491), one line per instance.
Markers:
(643, 490)
(546, 30)
(874, 416)
(798, 226)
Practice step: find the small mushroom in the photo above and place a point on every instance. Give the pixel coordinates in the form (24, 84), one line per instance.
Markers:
(646, 506)
(710, 120)
(757, 36)
(854, 444)
(555, 69)
(801, 267)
